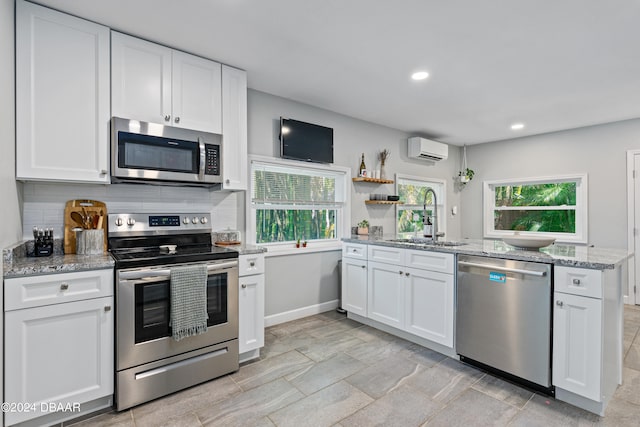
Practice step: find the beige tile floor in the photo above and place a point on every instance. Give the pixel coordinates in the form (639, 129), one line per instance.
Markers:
(326, 370)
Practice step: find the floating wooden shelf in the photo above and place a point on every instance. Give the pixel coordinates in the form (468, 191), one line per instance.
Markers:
(376, 180)
(382, 202)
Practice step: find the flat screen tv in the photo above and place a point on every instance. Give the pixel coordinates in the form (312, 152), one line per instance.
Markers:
(305, 141)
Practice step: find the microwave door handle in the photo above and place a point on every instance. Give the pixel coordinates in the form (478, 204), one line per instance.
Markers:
(202, 160)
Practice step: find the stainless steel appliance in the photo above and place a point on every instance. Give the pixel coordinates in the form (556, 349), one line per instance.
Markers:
(149, 362)
(503, 318)
(154, 153)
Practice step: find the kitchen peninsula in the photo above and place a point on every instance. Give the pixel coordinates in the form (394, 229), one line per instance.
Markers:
(410, 290)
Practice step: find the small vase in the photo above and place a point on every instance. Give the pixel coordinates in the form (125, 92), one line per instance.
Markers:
(383, 172)
(363, 230)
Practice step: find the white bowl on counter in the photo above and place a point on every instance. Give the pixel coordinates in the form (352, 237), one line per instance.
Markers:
(528, 242)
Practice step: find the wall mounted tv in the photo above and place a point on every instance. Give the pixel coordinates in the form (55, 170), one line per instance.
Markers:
(305, 141)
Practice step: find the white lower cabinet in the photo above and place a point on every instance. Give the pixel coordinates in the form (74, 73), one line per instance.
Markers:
(251, 285)
(386, 294)
(58, 355)
(429, 305)
(410, 290)
(354, 286)
(577, 341)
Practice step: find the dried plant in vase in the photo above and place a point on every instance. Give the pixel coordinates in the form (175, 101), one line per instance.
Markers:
(383, 156)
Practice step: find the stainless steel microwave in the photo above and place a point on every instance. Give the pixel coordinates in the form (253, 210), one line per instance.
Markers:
(158, 154)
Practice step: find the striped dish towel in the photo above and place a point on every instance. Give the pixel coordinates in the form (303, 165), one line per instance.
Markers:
(188, 301)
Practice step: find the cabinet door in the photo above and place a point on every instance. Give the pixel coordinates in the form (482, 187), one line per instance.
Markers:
(577, 338)
(196, 93)
(234, 128)
(354, 286)
(251, 312)
(386, 293)
(62, 96)
(429, 305)
(61, 353)
(141, 79)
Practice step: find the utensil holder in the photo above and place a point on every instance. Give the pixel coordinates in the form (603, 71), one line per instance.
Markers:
(90, 242)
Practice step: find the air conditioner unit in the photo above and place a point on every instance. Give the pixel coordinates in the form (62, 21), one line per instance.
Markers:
(421, 148)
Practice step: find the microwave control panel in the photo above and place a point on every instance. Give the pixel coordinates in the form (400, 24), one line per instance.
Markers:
(212, 160)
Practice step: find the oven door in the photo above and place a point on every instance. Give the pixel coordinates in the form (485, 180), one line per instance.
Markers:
(142, 316)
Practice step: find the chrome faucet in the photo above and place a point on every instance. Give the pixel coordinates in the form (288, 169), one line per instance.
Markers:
(434, 230)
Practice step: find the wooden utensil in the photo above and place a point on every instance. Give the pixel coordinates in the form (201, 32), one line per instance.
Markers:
(77, 217)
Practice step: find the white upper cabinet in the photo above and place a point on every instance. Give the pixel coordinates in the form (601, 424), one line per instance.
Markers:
(156, 84)
(62, 96)
(234, 128)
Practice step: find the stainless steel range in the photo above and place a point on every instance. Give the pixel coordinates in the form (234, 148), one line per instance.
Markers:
(149, 362)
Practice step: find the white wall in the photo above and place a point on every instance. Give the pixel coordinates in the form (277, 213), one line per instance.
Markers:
(10, 227)
(599, 151)
(297, 281)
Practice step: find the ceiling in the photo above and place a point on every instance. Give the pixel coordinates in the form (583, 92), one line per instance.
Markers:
(552, 65)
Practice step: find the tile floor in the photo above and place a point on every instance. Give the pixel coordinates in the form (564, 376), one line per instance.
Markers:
(326, 370)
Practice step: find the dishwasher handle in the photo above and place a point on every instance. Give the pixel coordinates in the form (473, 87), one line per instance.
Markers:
(504, 269)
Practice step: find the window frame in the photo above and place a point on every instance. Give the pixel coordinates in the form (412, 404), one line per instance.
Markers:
(581, 207)
(343, 214)
(442, 220)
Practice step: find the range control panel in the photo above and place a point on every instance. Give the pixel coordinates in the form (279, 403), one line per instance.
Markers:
(159, 223)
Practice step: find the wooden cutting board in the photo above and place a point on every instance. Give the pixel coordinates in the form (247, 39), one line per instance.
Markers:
(82, 206)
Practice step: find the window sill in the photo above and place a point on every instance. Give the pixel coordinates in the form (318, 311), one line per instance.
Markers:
(285, 250)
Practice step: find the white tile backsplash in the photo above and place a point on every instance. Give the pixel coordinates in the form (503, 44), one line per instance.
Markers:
(44, 203)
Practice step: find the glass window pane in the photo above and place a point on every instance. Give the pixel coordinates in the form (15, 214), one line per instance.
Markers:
(282, 225)
(550, 194)
(550, 221)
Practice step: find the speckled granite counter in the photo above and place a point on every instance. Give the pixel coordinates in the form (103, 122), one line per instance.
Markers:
(244, 249)
(558, 254)
(16, 263)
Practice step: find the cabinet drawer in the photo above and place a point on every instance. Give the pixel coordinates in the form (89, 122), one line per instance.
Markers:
(34, 291)
(578, 281)
(386, 254)
(433, 261)
(250, 264)
(354, 250)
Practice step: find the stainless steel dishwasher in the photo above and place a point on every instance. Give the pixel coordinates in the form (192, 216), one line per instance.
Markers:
(503, 318)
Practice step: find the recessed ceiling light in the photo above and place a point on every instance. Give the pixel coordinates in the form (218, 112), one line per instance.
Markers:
(517, 126)
(420, 75)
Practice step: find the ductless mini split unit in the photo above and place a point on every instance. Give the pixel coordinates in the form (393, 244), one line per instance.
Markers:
(426, 149)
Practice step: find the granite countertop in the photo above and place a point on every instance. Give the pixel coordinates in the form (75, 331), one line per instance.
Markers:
(245, 249)
(558, 254)
(16, 263)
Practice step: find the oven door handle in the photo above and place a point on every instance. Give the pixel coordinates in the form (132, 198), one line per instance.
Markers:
(149, 274)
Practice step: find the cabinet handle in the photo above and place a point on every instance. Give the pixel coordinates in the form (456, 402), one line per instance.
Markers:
(64, 286)
(364, 266)
(576, 282)
(167, 118)
(355, 250)
(177, 120)
(227, 181)
(559, 303)
(103, 172)
(252, 263)
(107, 308)
(401, 272)
(244, 286)
(406, 274)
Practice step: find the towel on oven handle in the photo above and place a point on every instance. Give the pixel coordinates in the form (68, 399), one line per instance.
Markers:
(188, 301)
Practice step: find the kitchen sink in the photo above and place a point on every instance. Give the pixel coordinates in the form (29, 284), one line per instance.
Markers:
(425, 241)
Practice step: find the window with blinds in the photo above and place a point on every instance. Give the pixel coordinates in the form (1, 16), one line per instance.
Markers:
(292, 203)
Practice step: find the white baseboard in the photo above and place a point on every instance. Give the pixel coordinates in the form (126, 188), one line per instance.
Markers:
(299, 313)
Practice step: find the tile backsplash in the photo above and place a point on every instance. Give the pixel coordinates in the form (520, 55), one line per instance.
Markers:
(44, 203)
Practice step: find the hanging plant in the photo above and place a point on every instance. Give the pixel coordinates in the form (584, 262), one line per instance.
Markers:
(466, 173)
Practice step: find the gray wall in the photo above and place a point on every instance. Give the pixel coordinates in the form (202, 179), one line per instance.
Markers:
(10, 226)
(599, 151)
(297, 281)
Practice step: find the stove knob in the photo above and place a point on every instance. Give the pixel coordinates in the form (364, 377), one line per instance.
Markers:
(131, 221)
(119, 221)
(194, 220)
(204, 220)
(185, 220)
